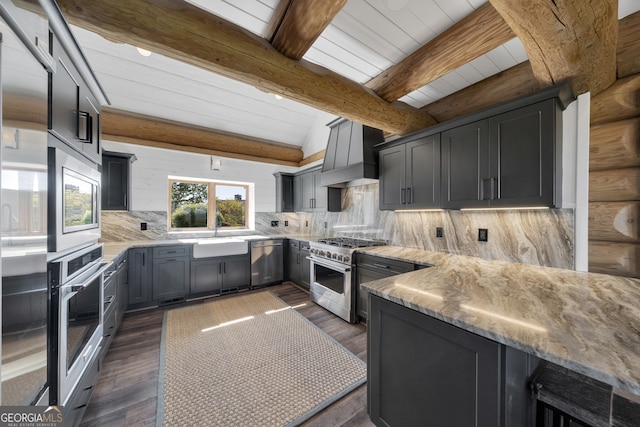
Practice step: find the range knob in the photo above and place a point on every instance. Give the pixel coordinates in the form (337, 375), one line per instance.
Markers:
(334, 256)
(340, 258)
(347, 259)
(321, 253)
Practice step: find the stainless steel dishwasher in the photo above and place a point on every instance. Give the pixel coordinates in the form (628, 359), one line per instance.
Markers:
(266, 262)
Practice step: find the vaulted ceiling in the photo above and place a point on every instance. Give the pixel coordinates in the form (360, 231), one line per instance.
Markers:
(216, 66)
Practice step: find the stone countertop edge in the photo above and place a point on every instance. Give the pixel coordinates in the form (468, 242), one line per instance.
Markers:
(586, 322)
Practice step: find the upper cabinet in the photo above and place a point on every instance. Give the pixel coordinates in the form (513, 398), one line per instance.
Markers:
(115, 180)
(75, 112)
(311, 196)
(284, 192)
(506, 158)
(410, 174)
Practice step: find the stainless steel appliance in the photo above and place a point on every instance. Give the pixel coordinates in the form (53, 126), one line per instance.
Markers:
(76, 285)
(266, 262)
(74, 200)
(332, 285)
(23, 200)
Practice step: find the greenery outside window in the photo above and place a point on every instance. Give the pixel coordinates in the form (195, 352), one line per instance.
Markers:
(207, 205)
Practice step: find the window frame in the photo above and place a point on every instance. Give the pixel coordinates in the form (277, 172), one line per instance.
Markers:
(211, 204)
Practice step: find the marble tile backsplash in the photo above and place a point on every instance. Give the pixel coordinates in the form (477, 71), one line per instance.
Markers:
(537, 237)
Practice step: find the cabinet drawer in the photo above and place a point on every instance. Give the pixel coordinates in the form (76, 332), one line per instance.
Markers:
(383, 264)
(170, 251)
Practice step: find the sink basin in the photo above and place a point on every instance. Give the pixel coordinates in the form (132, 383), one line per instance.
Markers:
(219, 247)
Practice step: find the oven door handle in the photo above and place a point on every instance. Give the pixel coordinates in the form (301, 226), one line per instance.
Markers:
(330, 264)
(78, 287)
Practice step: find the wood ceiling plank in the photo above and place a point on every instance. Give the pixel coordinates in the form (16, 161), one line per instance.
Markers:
(567, 40)
(302, 24)
(186, 33)
(478, 33)
(628, 58)
(142, 130)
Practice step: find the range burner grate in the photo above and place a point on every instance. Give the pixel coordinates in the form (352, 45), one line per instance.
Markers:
(351, 243)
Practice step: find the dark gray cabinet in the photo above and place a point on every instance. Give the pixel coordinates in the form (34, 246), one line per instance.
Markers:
(139, 277)
(122, 296)
(115, 182)
(170, 273)
(74, 113)
(212, 276)
(507, 160)
(369, 268)
(410, 174)
(298, 266)
(284, 192)
(311, 196)
(422, 371)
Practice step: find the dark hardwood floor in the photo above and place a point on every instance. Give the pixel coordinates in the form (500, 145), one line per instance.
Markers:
(126, 394)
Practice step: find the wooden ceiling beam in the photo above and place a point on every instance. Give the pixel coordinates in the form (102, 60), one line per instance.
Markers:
(481, 31)
(302, 24)
(186, 33)
(150, 131)
(567, 40)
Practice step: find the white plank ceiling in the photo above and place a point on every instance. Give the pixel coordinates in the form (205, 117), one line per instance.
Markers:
(364, 39)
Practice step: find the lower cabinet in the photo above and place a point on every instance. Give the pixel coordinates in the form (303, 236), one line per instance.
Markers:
(140, 277)
(422, 371)
(76, 405)
(298, 266)
(220, 275)
(170, 279)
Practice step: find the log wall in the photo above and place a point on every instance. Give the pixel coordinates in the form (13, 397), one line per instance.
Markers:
(614, 180)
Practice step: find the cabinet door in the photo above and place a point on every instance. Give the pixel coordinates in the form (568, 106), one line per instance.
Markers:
(305, 271)
(122, 296)
(115, 182)
(89, 131)
(206, 277)
(423, 173)
(236, 272)
(307, 193)
(297, 193)
(465, 153)
(392, 177)
(293, 261)
(320, 193)
(422, 371)
(65, 98)
(140, 275)
(170, 277)
(522, 156)
(284, 192)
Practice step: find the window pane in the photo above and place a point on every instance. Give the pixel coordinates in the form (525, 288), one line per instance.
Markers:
(231, 202)
(189, 205)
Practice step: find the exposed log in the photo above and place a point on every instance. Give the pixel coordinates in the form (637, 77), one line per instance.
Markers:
(615, 145)
(312, 158)
(141, 130)
(26, 109)
(621, 101)
(473, 36)
(614, 221)
(628, 58)
(276, 19)
(618, 259)
(189, 34)
(302, 24)
(614, 185)
(567, 40)
(509, 84)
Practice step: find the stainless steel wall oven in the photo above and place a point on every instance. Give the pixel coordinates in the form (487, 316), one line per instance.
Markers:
(76, 282)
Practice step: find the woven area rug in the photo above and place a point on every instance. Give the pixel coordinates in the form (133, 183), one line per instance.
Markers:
(249, 360)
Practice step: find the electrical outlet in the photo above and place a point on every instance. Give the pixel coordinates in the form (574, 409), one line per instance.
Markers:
(274, 223)
(286, 223)
(143, 226)
(306, 223)
(325, 224)
(439, 232)
(483, 235)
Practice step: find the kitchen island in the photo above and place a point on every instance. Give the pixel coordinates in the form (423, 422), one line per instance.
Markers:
(588, 323)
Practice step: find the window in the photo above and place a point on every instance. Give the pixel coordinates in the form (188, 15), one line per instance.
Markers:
(204, 205)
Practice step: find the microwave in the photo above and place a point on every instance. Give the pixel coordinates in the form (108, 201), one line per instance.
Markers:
(74, 201)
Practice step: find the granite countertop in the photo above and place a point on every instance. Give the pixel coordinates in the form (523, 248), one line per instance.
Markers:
(586, 322)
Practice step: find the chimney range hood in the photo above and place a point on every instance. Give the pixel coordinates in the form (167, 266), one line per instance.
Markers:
(350, 153)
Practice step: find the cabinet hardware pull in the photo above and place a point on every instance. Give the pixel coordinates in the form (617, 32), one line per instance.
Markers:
(84, 127)
(409, 196)
(402, 196)
(380, 265)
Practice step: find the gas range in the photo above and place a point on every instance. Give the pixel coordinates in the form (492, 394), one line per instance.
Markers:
(340, 249)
